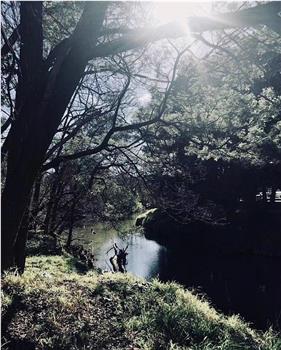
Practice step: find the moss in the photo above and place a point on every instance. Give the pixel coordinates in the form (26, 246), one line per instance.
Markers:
(51, 306)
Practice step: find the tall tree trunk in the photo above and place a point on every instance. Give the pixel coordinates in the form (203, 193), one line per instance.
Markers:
(20, 177)
(42, 99)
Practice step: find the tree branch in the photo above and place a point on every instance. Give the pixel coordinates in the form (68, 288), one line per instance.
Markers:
(266, 14)
(114, 129)
(9, 42)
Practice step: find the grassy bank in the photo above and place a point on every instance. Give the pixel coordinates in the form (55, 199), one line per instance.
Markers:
(53, 307)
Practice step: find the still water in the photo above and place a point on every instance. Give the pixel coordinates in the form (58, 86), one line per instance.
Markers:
(245, 285)
(144, 256)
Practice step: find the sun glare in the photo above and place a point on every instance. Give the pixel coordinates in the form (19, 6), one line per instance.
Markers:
(178, 11)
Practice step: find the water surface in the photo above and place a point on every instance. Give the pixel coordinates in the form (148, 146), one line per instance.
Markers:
(245, 285)
(144, 256)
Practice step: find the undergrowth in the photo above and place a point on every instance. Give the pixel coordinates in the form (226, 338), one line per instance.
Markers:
(51, 306)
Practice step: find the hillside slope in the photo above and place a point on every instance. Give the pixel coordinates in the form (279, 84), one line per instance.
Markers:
(52, 306)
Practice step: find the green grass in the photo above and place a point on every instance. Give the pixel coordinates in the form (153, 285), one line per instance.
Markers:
(51, 306)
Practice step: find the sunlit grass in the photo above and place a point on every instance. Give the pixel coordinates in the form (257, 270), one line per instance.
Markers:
(55, 307)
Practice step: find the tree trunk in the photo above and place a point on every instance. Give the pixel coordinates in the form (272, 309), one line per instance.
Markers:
(35, 202)
(56, 192)
(20, 246)
(273, 194)
(53, 224)
(50, 204)
(71, 222)
(20, 177)
(41, 102)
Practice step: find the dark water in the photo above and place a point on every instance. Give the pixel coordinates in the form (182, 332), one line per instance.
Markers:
(249, 286)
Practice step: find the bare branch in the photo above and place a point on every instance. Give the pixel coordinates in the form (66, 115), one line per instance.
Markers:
(9, 42)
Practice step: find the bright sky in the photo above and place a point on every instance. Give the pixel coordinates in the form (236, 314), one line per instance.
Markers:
(178, 11)
(165, 12)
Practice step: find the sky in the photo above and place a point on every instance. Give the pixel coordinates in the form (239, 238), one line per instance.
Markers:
(177, 11)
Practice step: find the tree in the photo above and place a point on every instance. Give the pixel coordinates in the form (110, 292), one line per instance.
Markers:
(46, 84)
(224, 111)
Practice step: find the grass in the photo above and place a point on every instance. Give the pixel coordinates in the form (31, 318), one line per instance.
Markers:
(51, 306)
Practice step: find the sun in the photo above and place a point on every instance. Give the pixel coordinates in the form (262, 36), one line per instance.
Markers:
(177, 13)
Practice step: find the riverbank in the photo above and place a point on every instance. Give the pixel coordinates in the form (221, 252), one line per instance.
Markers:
(52, 306)
(254, 231)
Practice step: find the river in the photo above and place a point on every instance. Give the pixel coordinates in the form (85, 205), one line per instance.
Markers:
(245, 285)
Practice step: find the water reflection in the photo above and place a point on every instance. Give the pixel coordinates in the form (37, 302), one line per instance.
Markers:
(249, 286)
(144, 256)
